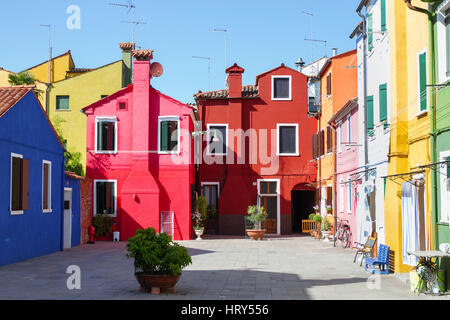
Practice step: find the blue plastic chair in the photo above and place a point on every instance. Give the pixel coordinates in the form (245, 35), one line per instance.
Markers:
(382, 261)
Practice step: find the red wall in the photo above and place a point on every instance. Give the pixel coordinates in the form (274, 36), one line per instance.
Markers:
(147, 182)
(237, 181)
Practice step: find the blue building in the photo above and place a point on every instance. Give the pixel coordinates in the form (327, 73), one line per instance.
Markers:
(32, 179)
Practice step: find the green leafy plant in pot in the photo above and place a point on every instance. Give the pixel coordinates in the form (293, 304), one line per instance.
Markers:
(158, 261)
(199, 217)
(326, 229)
(318, 220)
(256, 216)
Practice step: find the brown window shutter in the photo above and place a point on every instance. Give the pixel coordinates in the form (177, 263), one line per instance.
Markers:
(25, 183)
(329, 196)
(45, 205)
(322, 142)
(314, 146)
(329, 84)
(16, 187)
(328, 140)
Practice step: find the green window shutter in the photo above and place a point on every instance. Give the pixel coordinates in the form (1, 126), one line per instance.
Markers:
(164, 143)
(423, 81)
(370, 30)
(383, 102)
(448, 167)
(383, 15)
(369, 113)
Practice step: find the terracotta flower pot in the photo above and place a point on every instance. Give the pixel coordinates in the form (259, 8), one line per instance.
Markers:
(149, 281)
(255, 234)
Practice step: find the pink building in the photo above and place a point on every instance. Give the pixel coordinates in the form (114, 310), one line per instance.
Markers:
(345, 124)
(140, 156)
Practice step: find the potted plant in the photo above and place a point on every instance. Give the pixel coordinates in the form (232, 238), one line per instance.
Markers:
(199, 217)
(316, 209)
(311, 218)
(158, 260)
(328, 209)
(326, 229)
(318, 219)
(256, 215)
(103, 224)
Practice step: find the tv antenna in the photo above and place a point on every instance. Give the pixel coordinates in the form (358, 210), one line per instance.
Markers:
(209, 69)
(49, 49)
(323, 41)
(131, 7)
(311, 33)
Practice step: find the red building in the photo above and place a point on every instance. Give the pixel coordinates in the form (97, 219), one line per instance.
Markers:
(139, 156)
(258, 150)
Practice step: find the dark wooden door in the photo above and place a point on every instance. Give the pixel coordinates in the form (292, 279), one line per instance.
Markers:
(270, 203)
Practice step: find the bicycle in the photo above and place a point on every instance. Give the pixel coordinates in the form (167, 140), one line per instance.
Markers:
(342, 233)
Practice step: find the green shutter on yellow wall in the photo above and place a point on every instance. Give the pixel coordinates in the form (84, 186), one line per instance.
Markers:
(383, 15)
(423, 81)
(369, 113)
(383, 102)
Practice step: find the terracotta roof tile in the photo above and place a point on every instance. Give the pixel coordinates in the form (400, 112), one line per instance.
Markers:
(142, 54)
(248, 92)
(127, 46)
(73, 175)
(9, 96)
(79, 70)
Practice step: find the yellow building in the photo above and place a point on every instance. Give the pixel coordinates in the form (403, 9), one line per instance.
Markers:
(80, 88)
(71, 89)
(4, 82)
(408, 200)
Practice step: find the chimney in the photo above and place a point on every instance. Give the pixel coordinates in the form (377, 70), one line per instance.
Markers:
(300, 64)
(335, 51)
(142, 113)
(234, 81)
(127, 49)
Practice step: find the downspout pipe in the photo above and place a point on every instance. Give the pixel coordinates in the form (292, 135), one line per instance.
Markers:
(364, 35)
(434, 214)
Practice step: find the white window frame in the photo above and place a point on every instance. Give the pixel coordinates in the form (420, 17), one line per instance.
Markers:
(349, 196)
(115, 196)
(339, 142)
(273, 87)
(441, 47)
(349, 131)
(49, 200)
(169, 118)
(445, 206)
(13, 212)
(419, 112)
(106, 119)
(208, 136)
(258, 183)
(296, 153)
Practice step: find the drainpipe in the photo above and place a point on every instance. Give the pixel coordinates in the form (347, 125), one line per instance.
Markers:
(433, 114)
(364, 34)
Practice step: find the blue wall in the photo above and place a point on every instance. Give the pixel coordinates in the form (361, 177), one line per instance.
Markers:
(76, 216)
(24, 130)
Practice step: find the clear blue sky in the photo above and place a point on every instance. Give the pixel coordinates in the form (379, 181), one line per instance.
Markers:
(262, 34)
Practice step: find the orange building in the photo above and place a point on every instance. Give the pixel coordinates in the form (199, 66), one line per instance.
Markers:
(338, 84)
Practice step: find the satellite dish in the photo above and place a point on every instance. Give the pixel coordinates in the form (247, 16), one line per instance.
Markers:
(156, 69)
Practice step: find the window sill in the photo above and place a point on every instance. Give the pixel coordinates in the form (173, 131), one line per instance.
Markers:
(105, 152)
(422, 113)
(168, 152)
(16, 213)
(63, 110)
(288, 154)
(281, 99)
(47, 211)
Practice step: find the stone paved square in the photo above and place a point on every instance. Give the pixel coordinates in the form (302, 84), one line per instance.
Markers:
(223, 268)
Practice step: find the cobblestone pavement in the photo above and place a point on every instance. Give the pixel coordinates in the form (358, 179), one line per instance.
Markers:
(223, 268)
